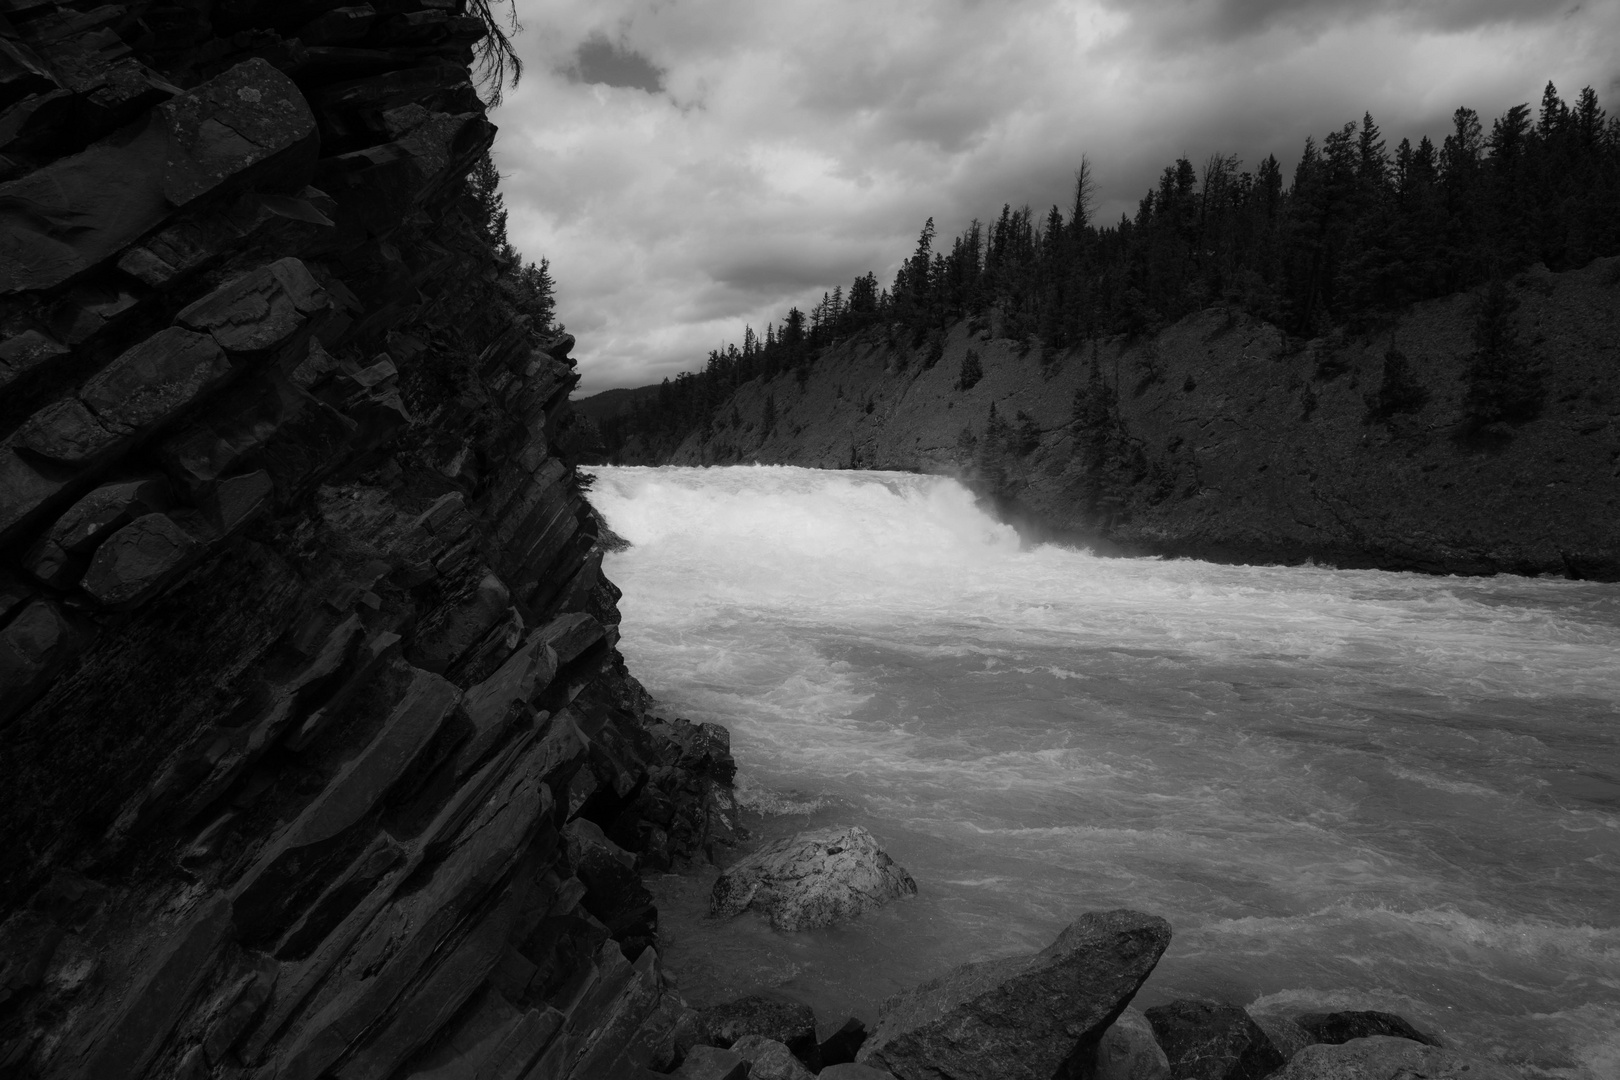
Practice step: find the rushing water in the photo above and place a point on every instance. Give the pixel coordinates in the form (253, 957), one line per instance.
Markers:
(1344, 789)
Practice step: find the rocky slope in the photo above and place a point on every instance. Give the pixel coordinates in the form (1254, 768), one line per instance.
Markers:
(316, 755)
(1219, 439)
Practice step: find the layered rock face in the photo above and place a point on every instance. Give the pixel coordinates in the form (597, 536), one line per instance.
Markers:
(317, 755)
(1218, 438)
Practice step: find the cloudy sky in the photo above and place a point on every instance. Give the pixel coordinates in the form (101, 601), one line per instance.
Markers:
(692, 166)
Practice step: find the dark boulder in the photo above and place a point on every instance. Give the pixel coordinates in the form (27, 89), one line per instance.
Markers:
(1024, 1017)
(1206, 1041)
(256, 313)
(154, 380)
(853, 1071)
(712, 1063)
(139, 560)
(66, 432)
(769, 1060)
(1384, 1057)
(34, 647)
(836, 1045)
(1341, 1027)
(57, 557)
(614, 893)
(787, 1022)
(1128, 1051)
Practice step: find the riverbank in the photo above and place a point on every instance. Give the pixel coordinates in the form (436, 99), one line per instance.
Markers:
(1219, 439)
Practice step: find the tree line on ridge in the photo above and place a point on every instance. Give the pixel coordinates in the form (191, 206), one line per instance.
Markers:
(1358, 233)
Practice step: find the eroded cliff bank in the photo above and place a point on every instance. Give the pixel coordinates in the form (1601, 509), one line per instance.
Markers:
(1218, 438)
(318, 758)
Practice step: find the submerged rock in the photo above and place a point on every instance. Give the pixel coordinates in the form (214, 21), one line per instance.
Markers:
(840, 1044)
(852, 1071)
(1024, 1017)
(812, 879)
(786, 1022)
(1206, 1041)
(712, 1063)
(1287, 1036)
(1128, 1051)
(769, 1060)
(1384, 1057)
(1341, 1027)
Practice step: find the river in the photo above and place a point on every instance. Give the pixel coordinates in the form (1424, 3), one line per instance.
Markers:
(1343, 788)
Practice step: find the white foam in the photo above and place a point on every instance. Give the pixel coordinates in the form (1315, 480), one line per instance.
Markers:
(1332, 782)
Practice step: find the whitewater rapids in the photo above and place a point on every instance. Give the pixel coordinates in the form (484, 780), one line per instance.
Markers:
(1344, 789)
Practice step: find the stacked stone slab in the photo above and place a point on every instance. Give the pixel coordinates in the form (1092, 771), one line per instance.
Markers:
(309, 700)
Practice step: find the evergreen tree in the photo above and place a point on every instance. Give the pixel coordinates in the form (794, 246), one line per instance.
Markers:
(1398, 390)
(970, 374)
(1504, 386)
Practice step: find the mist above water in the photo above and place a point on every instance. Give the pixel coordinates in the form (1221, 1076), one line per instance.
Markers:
(1345, 789)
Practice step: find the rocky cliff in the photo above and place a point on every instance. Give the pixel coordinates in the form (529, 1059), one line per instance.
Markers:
(1218, 438)
(316, 755)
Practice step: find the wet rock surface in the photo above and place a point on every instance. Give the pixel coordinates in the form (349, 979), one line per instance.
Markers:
(769, 1060)
(837, 1043)
(1207, 1041)
(1341, 1027)
(812, 879)
(1384, 1057)
(1024, 1016)
(712, 1063)
(1128, 1050)
(778, 1019)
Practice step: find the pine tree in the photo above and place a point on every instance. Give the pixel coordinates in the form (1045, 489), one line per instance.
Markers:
(970, 374)
(1504, 386)
(1398, 391)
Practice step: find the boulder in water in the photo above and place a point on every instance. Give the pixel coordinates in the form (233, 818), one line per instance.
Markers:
(853, 1071)
(1384, 1057)
(1288, 1037)
(813, 879)
(840, 1044)
(1341, 1027)
(1128, 1051)
(1024, 1017)
(769, 1060)
(1206, 1041)
(786, 1022)
(712, 1063)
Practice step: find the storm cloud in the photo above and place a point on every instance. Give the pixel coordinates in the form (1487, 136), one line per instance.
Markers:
(692, 166)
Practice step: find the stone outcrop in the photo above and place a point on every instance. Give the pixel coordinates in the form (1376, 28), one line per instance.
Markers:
(788, 1022)
(855, 1071)
(320, 760)
(1384, 1057)
(1208, 1041)
(813, 879)
(769, 1060)
(1128, 1050)
(839, 1043)
(1341, 1027)
(1024, 1017)
(712, 1063)
(1219, 438)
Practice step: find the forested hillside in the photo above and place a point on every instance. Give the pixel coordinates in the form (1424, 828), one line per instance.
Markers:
(1359, 233)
